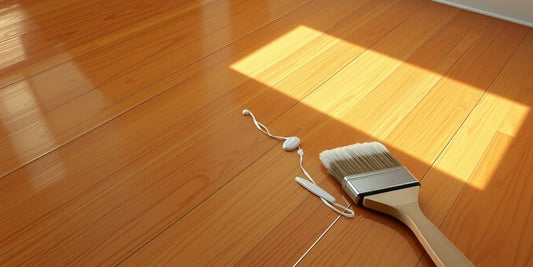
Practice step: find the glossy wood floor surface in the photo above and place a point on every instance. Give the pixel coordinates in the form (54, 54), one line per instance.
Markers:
(122, 139)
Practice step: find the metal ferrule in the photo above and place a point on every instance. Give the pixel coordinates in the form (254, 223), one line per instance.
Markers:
(358, 186)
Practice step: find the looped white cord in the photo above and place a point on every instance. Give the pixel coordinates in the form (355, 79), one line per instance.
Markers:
(262, 127)
(346, 211)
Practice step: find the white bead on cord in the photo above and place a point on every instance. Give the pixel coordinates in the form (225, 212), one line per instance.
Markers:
(290, 144)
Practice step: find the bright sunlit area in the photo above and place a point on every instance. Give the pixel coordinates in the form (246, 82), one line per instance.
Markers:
(375, 93)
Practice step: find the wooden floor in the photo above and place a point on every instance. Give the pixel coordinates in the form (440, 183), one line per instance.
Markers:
(122, 139)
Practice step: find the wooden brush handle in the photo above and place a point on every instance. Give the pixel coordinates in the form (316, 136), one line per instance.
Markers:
(403, 205)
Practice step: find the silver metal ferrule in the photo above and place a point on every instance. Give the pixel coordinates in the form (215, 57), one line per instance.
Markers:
(358, 186)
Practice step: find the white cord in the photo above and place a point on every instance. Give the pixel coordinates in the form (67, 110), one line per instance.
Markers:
(346, 211)
(260, 126)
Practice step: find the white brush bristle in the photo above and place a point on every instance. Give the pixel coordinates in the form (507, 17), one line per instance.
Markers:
(357, 158)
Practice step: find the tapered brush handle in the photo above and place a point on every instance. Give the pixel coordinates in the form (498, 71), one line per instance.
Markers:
(403, 205)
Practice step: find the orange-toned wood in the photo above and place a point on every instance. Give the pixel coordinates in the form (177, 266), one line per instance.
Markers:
(79, 95)
(16, 20)
(438, 54)
(149, 160)
(59, 33)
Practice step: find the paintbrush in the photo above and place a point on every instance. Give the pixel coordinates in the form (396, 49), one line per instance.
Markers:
(373, 178)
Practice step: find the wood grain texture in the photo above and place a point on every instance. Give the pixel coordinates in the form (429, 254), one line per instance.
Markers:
(122, 141)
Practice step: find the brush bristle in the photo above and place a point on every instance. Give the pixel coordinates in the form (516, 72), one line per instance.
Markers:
(356, 159)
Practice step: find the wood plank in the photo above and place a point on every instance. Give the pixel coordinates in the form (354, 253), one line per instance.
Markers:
(190, 137)
(67, 106)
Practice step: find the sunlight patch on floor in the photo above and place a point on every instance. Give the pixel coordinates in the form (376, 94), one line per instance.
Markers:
(477, 150)
(267, 56)
(375, 93)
